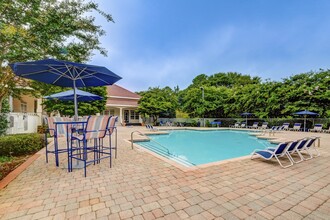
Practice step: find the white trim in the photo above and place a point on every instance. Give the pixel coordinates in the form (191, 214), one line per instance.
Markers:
(122, 97)
(118, 106)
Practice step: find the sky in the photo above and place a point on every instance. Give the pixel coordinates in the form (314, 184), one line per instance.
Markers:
(158, 43)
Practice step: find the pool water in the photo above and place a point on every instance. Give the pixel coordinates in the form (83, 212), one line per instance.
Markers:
(191, 147)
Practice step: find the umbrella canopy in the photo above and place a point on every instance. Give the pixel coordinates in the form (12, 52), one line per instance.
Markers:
(65, 74)
(246, 114)
(82, 96)
(305, 113)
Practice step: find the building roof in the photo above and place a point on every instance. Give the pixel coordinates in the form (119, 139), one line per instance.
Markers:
(119, 92)
(122, 102)
(120, 97)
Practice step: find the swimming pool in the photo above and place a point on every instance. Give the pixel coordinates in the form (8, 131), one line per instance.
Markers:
(191, 147)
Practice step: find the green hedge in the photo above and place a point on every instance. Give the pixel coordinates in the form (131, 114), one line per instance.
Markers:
(21, 144)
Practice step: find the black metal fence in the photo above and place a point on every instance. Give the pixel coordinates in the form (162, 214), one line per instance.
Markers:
(226, 122)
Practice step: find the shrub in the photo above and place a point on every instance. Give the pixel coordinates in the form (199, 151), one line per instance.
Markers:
(21, 144)
(3, 117)
(41, 129)
(192, 123)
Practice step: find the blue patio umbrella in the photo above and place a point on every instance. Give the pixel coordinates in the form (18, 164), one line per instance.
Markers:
(82, 96)
(65, 74)
(305, 113)
(246, 114)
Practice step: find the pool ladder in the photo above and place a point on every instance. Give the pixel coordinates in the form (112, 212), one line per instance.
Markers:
(162, 150)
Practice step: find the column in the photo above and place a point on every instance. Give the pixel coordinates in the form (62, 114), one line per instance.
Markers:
(121, 115)
(10, 100)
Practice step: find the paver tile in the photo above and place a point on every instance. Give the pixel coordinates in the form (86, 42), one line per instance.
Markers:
(158, 213)
(126, 214)
(148, 216)
(141, 186)
(218, 211)
(180, 205)
(291, 215)
(167, 209)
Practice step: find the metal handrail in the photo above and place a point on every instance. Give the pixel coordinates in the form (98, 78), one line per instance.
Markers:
(167, 151)
(132, 137)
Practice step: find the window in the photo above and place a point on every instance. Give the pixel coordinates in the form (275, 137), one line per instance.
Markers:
(23, 107)
(134, 115)
(109, 112)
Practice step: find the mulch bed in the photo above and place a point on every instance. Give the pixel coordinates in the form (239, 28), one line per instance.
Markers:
(7, 167)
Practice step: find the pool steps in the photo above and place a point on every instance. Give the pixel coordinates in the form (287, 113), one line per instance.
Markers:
(160, 150)
(165, 153)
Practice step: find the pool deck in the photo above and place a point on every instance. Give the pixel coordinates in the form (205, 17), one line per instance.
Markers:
(141, 186)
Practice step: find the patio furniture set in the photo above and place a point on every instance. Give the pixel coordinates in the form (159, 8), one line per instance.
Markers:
(83, 141)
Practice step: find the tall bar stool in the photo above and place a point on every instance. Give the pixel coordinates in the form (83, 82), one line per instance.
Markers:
(86, 146)
(57, 132)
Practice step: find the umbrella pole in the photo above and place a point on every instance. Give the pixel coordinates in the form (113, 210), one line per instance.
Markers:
(75, 101)
(305, 124)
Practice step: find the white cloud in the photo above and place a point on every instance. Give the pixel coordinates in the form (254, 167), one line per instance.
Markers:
(145, 59)
(176, 67)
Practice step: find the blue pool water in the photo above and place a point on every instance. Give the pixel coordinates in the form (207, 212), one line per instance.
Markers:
(190, 147)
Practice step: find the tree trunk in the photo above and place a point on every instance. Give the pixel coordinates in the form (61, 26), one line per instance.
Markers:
(1, 100)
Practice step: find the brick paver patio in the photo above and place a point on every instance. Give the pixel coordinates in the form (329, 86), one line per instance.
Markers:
(141, 186)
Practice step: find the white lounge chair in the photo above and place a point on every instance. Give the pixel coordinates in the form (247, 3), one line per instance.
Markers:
(264, 125)
(303, 145)
(309, 146)
(275, 129)
(151, 128)
(279, 151)
(236, 125)
(326, 130)
(296, 127)
(254, 126)
(296, 147)
(317, 128)
(286, 126)
(262, 132)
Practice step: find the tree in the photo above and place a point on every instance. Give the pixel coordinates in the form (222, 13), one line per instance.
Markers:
(307, 91)
(222, 93)
(192, 102)
(230, 94)
(84, 108)
(231, 79)
(158, 102)
(211, 106)
(37, 29)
